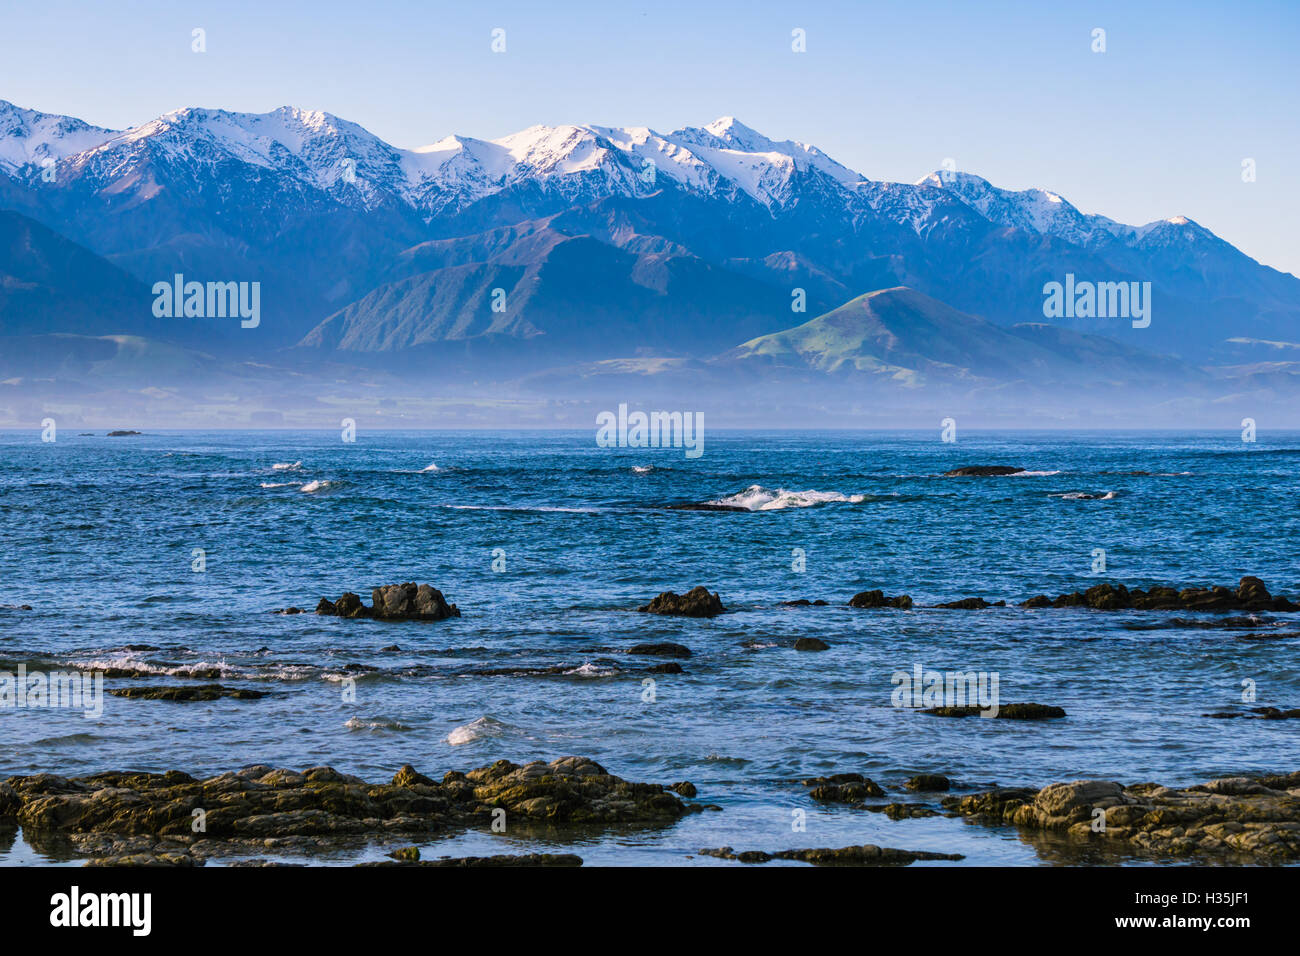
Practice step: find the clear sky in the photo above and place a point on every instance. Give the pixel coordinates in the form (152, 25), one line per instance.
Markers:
(1158, 125)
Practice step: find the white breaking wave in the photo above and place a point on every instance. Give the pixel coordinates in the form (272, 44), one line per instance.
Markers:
(591, 670)
(1033, 474)
(429, 467)
(642, 469)
(477, 729)
(287, 466)
(280, 484)
(1086, 496)
(758, 498)
(313, 486)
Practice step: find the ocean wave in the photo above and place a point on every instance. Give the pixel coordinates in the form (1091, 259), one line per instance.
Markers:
(1087, 495)
(1033, 474)
(642, 469)
(480, 728)
(287, 466)
(758, 498)
(312, 487)
(592, 670)
(431, 466)
(280, 484)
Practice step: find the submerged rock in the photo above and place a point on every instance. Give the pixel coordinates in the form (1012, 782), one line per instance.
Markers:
(929, 782)
(122, 433)
(1005, 712)
(983, 471)
(697, 602)
(197, 692)
(1232, 816)
(971, 604)
(662, 649)
(503, 859)
(393, 602)
(866, 855)
(876, 599)
(1259, 713)
(1249, 595)
(811, 644)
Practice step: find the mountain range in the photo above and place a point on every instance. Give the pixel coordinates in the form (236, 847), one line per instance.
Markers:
(589, 254)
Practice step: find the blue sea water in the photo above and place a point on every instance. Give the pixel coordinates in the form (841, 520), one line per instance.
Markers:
(548, 543)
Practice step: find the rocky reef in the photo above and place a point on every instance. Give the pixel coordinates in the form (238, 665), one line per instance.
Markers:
(697, 602)
(125, 816)
(393, 602)
(1233, 817)
(1005, 712)
(1250, 594)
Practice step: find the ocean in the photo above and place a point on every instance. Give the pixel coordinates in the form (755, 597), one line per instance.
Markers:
(167, 553)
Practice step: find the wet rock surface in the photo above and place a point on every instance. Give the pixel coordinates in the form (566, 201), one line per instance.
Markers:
(811, 644)
(1232, 817)
(842, 788)
(877, 599)
(697, 602)
(1250, 594)
(662, 649)
(1258, 713)
(122, 814)
(393, 602)
(499, 860)
(197, 692)
(983, 471)
(866, 855)
(1005, 712)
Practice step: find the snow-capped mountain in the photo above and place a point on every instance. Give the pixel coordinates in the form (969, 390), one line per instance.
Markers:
(28, 138)
(336, 222)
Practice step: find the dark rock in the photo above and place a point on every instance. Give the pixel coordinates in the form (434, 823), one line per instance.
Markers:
(1249, 595)
(901, 811)
(804, 602)
(843, 788)
(929, 782)
(866, 855)
(390, 649)
(668, 667)
(811, 644)
(705, 506)
(697, 602)
(198, 692)
(663, 649)
(501, 860)
(393, 602)
(1005, 712)
(122, 433)
(1259, 713)
(290, 610)
(877, 599)
(982, 471)
(685, 788)
(407, 854)
(967, 604)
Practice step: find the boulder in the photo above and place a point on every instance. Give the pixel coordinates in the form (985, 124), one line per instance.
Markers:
(393, 602)
(983, 471)
(877, 599)
(697, 602)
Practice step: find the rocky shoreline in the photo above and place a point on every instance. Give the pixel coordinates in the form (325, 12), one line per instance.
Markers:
(172, 818)
(125, 818)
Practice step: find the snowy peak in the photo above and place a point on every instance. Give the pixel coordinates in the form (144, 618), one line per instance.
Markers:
(725, 160)
(31, 137)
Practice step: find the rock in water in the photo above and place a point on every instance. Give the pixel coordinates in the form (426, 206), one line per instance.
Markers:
(874, 599)
(697, 602)
(982, 471)
(393, 602)
(811, 644)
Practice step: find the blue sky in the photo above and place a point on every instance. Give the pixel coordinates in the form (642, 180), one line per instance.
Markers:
(1156, 126)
